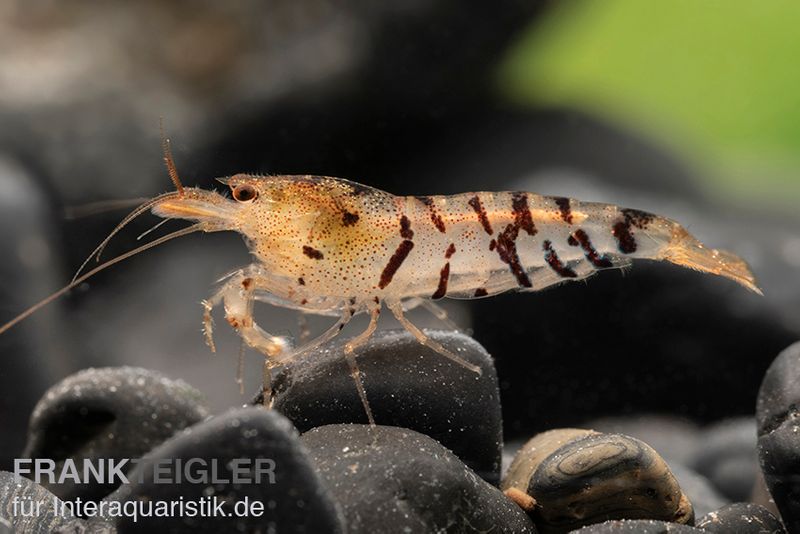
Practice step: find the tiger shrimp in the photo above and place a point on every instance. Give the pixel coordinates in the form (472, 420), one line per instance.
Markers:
(330, 246)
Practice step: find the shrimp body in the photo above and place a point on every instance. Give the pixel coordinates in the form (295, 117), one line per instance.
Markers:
(334, 247)
(324, 242)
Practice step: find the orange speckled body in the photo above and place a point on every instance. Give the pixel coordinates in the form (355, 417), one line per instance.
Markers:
(326, 244)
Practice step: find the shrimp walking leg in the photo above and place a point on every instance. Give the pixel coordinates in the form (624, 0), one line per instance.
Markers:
(349, 354)
(326, 336)
(396, 308)
(440, 313)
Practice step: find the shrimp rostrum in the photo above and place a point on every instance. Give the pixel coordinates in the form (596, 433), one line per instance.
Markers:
(333, 247)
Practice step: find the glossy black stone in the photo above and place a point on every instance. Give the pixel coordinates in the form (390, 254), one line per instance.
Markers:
(637, 526)
(401, 480)
(409, 386)
(741, 518)
(108, 414)
(294, 498)
(778, 420)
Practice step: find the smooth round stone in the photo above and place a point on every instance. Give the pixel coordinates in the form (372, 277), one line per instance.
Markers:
(534, 452)
(728, 457)
(637, 526)
(778, 419)
(294, 498)
(395, 479)
(28, 507)
(578, 477)
(108, 414)
(407, 385)
(741, 518)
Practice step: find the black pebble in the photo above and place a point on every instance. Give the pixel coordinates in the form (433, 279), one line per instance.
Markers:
(108, 413)
(294, 501)
(778, 420)
(741, 518)
(395, 479)
(26, 519)
(637, 526)
(409, 386)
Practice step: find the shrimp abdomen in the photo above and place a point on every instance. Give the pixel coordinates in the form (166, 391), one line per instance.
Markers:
(478, 244)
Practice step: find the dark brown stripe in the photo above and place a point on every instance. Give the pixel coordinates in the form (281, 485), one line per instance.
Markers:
(565, 208)
(481, 292)
(395, 262)
(507, 250)
(438, 222)
(312, 253)
(405, 228)
(450, 251)
(522, 213)
(554, 261)
(349, 219)
(492, 244)
(581, 238)
(639, 219)
(475, 202)
(625, 240)
(444, 276)
(301, 281)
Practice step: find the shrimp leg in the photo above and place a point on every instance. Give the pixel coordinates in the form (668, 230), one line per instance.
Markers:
(326, 336)
(434, 309)
(237, 295)
(396, 307)
(355, 372)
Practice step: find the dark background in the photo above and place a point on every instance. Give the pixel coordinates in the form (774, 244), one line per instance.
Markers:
(402, 96)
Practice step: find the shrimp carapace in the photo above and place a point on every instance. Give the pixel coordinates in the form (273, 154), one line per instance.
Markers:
(333, 247)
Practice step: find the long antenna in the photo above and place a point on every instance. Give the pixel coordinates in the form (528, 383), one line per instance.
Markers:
(47, 300)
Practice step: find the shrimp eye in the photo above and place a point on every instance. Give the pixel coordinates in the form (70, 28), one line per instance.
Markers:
(244, 193)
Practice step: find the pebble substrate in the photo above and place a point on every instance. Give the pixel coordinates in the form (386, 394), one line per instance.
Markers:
(433, 464)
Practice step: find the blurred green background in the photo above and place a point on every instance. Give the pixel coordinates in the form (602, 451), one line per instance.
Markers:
(717, 81)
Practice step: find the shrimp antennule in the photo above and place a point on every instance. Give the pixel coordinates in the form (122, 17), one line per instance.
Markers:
(168, 160)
